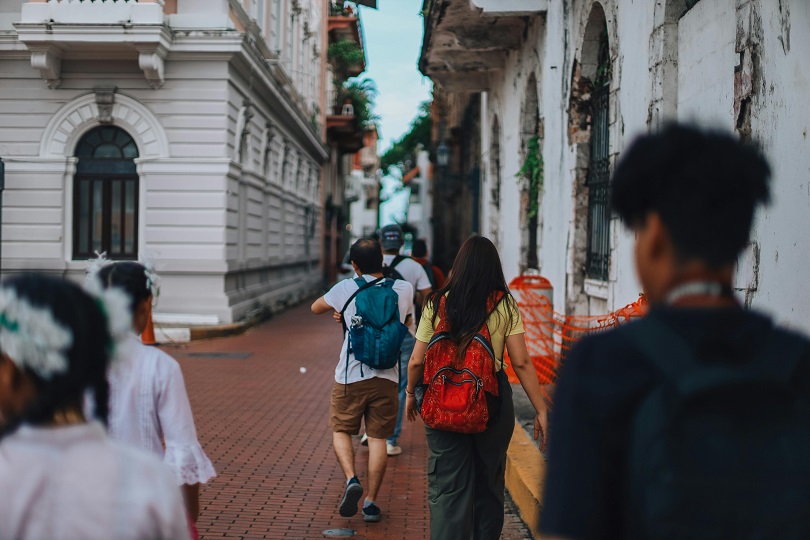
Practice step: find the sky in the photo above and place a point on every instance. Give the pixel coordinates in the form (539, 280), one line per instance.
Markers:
(393, 40)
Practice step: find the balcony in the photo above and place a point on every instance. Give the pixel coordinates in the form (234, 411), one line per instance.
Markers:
(344, 25)
(510, 8)
(127, 29)
(342, 129)
(466, 43)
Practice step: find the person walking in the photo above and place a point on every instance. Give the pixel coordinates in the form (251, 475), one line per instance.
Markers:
(477, 317)
(362, 392)
(419, 253)
(61, 476)
(692, 422)
(149, 406)
(401, 267)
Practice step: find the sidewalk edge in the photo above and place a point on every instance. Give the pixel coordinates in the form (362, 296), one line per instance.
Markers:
(525, 470)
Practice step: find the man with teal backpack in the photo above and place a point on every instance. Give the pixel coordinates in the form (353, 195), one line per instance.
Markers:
(374, 313)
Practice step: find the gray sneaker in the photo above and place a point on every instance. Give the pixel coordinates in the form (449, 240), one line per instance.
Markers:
(372, 513)
(352, 495)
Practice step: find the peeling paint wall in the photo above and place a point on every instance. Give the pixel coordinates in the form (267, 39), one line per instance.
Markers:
(738, 65)
(777, 34)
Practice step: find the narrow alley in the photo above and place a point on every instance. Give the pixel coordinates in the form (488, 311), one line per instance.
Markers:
(262, 420)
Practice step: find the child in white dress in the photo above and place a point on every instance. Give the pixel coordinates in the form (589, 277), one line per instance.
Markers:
(61, 476)
(149, 407)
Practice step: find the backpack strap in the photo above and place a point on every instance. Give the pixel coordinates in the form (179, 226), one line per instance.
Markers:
(398, 259)
(362, 285)
(677, 361)
(391, 272)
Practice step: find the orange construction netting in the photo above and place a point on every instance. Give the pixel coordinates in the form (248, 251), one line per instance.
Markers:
(549, 334)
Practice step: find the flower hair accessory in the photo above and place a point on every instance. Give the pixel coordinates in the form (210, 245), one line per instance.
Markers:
(32, 337)
(114, 304)
(152, 277)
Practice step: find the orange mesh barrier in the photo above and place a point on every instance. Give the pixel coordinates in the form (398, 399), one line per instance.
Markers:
(550, 335)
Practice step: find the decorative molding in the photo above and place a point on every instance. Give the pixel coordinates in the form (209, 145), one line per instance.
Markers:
(152, 64)
(75, 118)
(596, 288)
(241, 144)
(49, 64)
(268, 135)
(105, 98)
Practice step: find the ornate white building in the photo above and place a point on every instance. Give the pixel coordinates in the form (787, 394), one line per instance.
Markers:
(193, 131)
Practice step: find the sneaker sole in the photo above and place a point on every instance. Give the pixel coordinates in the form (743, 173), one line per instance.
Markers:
(348, 506)
(394, 453)
(371, 519)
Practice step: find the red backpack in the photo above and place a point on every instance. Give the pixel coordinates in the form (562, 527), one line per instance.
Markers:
(457, 391)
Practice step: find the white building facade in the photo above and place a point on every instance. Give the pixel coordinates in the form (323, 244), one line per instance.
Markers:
(586, 77)
(190, 131)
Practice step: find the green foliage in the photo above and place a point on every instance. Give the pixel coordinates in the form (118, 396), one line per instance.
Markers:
(361, 93)
(532, 170)
(406, 147)
(343, 55)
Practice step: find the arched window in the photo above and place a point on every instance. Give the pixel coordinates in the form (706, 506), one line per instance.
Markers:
(529, 135)
(105, 195)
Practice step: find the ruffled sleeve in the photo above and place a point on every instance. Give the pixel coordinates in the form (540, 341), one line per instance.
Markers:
(189, 463)
(184, 454)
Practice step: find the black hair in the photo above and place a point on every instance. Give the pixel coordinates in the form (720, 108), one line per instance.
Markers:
(88, 356)
(419, 248)
(477, 274)
(129, 276)
(704, 185)
(367, 255)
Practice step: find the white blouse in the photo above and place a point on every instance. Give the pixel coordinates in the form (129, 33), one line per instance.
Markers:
(74, 483)
(149, 408)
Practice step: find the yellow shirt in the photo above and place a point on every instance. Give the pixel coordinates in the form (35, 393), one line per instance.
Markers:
(499, 323)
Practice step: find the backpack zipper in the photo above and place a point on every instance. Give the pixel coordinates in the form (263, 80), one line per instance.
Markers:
(444, 380)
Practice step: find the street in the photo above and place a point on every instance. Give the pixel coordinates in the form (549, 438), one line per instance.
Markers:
(263, 423)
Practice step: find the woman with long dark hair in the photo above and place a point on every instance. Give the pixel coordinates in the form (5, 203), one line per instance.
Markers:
(465, 469)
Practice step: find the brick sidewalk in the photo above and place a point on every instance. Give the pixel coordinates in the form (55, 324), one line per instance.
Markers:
(264, 425)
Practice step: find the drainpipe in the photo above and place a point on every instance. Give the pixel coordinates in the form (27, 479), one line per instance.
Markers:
(2, 187)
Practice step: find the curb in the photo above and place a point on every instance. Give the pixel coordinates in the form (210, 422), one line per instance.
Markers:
(184, 335)
(525, 471)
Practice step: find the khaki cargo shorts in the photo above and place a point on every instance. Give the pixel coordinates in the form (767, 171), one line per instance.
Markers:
(376, 400)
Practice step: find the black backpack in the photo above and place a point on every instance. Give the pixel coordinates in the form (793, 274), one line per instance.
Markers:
(720, 451)
(390, 270)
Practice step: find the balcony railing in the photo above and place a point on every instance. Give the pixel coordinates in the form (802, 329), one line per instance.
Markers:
(123, 28)
(93, 12)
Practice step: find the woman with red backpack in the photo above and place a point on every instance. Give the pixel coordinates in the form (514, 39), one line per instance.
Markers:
(464, 397)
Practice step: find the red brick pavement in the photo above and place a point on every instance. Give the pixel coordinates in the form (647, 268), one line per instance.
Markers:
(264, 425)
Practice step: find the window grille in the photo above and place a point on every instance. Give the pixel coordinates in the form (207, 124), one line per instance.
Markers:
(598, 261)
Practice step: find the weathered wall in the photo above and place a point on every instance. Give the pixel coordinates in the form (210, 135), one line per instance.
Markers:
(504, 220)
(780, 33)
(740, 68)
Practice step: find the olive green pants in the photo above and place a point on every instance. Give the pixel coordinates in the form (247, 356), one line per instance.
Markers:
(466, 478)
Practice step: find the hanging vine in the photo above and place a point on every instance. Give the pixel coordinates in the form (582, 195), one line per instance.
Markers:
(532, 170)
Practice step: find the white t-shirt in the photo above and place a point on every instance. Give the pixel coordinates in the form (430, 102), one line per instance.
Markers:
(149, 409)
(415, 274)
(70, 482)
(337, 298)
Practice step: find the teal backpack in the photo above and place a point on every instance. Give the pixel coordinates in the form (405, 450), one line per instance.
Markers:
(375, 331)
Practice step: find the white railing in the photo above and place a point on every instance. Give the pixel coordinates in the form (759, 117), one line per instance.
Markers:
(93, 12)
